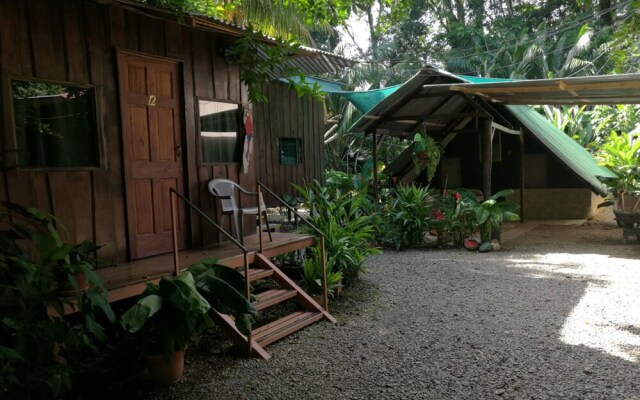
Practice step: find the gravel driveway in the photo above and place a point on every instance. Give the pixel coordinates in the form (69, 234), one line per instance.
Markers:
(555, 314)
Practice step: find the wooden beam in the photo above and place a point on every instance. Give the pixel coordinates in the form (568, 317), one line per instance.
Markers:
(441, 117)
(487, 151)
(564, 86)
(375, 169)
(521, 175)
(553, 86)
(505, 129)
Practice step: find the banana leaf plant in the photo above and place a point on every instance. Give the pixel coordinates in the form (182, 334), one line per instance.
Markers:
(39, 349)
(490, 214)
(170, 314)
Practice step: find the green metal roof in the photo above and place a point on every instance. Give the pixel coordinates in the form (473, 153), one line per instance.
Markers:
(564, 147)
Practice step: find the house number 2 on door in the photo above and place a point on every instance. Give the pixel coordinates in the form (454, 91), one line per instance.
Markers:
(152, 101)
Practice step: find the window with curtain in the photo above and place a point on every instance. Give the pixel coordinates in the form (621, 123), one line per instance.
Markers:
(55, 125)
(219, 132)
(289, 150)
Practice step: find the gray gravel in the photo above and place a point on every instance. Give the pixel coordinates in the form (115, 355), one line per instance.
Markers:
(553, 315)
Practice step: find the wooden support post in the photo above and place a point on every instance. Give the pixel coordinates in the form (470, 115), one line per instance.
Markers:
(521, 175)
(259, 217)
(374, 137)
(247, 284)
(325, 289)
(174, 228)
(487, 153)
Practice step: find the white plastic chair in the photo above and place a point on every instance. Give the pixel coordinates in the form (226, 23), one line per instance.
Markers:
(225, 191)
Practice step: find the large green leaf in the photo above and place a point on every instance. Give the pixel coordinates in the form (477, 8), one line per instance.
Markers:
(136, 317)
(181, 291)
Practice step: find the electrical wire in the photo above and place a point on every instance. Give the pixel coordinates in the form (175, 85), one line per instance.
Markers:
(560, 29)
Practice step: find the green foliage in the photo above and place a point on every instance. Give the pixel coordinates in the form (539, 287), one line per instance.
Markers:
(257, 70)
(347, 228)
(407, 216)
(312, 274)
(490, 214)
(39, 349)
(454, 217)
(169, 314)
(621, 155)
(426, 154)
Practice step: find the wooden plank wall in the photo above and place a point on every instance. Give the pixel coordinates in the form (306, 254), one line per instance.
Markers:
(288, 116)
(75, 41)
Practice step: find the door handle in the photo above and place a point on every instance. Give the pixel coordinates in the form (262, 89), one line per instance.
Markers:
(178, 150)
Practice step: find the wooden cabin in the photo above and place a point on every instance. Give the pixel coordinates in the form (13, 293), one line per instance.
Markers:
(109, 104)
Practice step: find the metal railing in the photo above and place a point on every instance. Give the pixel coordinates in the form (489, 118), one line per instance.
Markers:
(174, 218)
(323, 256)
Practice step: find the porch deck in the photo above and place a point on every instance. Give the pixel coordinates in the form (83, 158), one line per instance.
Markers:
(130, 279)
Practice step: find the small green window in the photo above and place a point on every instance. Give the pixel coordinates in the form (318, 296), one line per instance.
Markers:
(55, 125)
(289, 150)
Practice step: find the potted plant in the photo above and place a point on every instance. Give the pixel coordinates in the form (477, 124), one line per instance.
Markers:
(490, 214)
(426, 154)
(170, 314)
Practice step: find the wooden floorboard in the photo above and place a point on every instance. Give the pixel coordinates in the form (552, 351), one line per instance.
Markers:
(129, 279)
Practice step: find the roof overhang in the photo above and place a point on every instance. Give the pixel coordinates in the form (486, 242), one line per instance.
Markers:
(605, 89)
(306, 59)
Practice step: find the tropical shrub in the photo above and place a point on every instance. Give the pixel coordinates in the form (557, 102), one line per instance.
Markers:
(312, 274)
(454, 217)
(407, 216)
(40, 349)
(621, 155)
(348, 230)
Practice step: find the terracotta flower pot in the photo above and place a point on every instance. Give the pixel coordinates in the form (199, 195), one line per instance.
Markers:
(163, 371)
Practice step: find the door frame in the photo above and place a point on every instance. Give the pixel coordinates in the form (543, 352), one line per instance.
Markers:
(126, 164)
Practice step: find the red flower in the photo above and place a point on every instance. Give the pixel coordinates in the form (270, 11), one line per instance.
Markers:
(438, 214)
(457, 196)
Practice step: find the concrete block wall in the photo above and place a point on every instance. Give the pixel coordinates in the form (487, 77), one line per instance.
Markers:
(557, 203)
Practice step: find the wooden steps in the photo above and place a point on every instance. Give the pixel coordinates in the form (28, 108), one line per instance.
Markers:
(255, 273)
(285, 326)
(273, 297)
(308, 312)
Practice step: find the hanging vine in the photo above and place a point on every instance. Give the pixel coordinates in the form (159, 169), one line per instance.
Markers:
(259, 63)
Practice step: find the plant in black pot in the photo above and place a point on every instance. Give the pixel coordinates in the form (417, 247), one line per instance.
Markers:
(170, 314)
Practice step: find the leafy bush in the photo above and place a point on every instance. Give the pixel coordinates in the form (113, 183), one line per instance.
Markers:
(621, 155)
(312, 274)
(347, 228)
(39, 348)
(407, 216)
(454, 217)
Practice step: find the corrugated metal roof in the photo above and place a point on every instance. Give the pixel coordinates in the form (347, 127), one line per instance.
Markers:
(308, 60)
(566, 149)
(603, 89)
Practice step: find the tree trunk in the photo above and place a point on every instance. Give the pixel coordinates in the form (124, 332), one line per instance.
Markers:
(604, 7)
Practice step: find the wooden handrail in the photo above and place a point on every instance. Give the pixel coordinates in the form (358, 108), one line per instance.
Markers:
(323, 257)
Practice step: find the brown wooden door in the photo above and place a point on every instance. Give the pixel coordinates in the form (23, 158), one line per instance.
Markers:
(151, 121)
